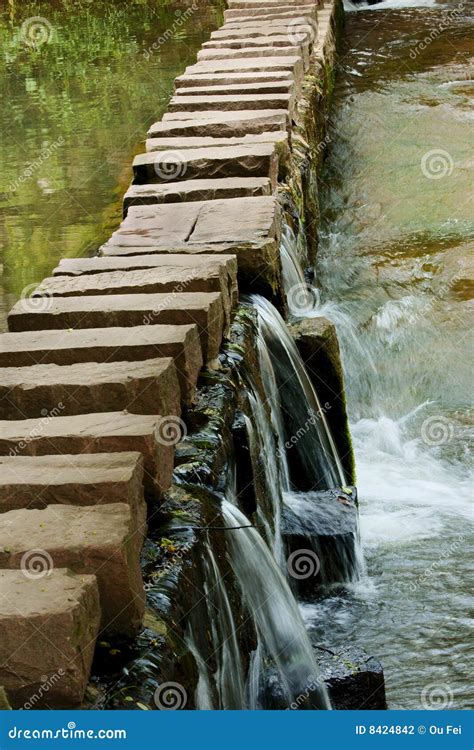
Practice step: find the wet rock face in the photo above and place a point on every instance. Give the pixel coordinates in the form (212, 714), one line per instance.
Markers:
(320, 531)
(317, 343)
(354, 679)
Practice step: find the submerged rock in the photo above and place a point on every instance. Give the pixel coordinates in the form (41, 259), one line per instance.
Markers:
(354, 679)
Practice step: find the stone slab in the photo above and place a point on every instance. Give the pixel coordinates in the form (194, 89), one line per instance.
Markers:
(247, 87)
(115, 344)
(194, 190)
(239, 78)
(230, 103)
(143, 387)
(220, 124)
(84, 479)
(293, 63)
(48, 630)
(261, 52)
(110, 432)
(278, 137)
(274, 33)
(142, 382)
(96, 540)
(258, 160)
(354, 679)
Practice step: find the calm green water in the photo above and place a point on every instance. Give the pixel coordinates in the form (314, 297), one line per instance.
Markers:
(78, 93)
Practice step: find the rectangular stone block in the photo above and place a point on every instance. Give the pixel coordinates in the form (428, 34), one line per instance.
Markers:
(48, 630)
(259, 160)
(206, 310)
(278, 137)
(220, 124)
(194, 190)
(209, 89)
(293, 63)
(240, 78)
(35, 482)
(231, 103)
(95, 540)
(272, 32)
(115, 344)
(112, 432)
(143, 387)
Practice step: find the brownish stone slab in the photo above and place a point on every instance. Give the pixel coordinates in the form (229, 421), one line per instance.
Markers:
(230, 103)
(220, 124)
(110, 432)
(194, 190)
(206, 310)
(247, 87)
(48, 630)
(115, 344)
(258, 160)
(143, 387)
(292, 63)
(98, 540)
(83, 479)
(239, 78)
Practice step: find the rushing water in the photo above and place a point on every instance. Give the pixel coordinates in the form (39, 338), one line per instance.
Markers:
(80, 87)
(396, 260)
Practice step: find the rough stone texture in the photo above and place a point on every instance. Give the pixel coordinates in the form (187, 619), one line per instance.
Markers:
(327, 523)
(259, 160)
(239, 18)
(98, 540)
(316, 339)
(273, 33)
(355, 680)
(143, 387)
(228, 54)
(254, 78)
(206, 310)
(210, 89)
(109, 345)
(292, 63)
(220, 124)
(248, 227)
(48, 630)
(112, 432)
(85, 479)
(230, 102)
(194, 190)
(279, 137)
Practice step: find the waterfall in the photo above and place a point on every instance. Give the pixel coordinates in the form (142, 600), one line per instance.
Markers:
(280, 628)
(296, 411)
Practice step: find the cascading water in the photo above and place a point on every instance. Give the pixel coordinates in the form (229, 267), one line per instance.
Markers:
(393, 272)
(280, 628)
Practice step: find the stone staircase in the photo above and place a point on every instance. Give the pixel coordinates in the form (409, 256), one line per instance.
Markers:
(98, 364)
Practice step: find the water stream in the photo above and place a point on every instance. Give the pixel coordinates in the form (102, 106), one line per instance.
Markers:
(395, 275)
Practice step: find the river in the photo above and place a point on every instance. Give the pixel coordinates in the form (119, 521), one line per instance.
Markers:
(395, 273)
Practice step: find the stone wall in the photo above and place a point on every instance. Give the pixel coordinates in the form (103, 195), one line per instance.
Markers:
(99, 370)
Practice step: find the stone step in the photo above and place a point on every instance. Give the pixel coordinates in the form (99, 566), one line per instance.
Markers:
(143, 387)
(95, 540)
(84, 479)
(273, 32)
(242, 16)
(293, 63)
(115, 344)
(278, 137)
(259, 160)
(111, 432)
(203, 309)
(220, 124)
(264, 50)
(223, 79)
(266, 87)
(246, 4)
(248, 227)
(172, 279)
(48, 631)
(194, 190)
(231, 103)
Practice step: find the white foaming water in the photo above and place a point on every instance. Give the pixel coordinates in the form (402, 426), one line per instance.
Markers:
(391, 4)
